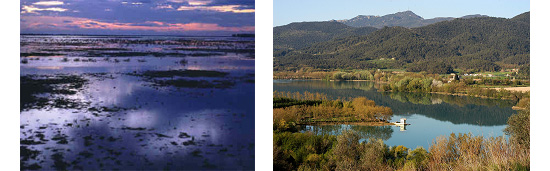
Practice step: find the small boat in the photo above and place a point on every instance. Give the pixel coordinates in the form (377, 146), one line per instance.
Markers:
(403, 121)
(402, 124)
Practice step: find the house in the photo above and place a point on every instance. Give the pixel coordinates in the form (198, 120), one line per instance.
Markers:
(453, 77)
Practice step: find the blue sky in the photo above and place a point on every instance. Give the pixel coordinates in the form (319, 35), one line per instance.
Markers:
(179, 17)
(287, 11)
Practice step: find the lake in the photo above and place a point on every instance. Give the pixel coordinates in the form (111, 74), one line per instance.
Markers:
(136, 102)
(430, 115)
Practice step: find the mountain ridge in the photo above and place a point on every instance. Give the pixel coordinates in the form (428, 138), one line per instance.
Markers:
(478, 43)
(406, 19)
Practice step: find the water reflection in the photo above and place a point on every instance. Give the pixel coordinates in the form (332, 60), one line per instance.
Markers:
(430, 115)
(402, 127)
(379, 132)
(454, 109)
(128, 123)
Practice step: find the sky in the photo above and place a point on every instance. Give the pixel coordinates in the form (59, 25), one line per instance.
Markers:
(137, 17)
(288, 11)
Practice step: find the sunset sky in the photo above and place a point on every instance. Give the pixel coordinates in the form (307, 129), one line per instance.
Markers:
(131, 17)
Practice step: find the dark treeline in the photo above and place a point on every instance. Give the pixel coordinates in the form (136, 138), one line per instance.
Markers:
(475, 44)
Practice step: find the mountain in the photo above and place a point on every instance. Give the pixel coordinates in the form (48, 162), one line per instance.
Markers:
(295, 36)
(406, 19)
(473, 16)
(300, 35)
(480, 43)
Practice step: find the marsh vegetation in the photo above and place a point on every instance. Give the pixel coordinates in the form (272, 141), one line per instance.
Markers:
(309, 108)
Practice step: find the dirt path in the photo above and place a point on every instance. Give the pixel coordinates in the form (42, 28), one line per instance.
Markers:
(522, 89)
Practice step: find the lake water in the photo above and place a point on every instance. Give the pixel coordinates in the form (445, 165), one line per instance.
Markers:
(430, 115)
(122, 118)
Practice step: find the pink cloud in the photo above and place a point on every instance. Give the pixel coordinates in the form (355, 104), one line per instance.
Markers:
(62, 23)
(222, 8)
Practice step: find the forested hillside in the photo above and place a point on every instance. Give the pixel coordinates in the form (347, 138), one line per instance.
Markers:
(300, 35)
(476, 44)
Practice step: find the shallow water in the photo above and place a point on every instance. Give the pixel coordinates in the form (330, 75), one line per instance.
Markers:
(430, 115)
(127, 121)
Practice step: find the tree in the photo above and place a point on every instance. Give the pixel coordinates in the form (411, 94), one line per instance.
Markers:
(348, 151)
(519, 126)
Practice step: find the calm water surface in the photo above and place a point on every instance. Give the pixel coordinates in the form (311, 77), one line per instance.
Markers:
(126, 121)
(430, 115)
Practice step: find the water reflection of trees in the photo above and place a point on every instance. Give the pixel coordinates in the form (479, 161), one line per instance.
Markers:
(455, 109)
(315, 84)
(379, 132)
(429, 99)
(415, 98)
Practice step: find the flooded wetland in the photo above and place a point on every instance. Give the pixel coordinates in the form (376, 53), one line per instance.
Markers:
(136, 102)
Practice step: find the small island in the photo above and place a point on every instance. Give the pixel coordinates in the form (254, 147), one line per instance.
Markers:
(292, 109)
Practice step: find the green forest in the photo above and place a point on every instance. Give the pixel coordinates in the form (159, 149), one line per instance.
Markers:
(473, 45)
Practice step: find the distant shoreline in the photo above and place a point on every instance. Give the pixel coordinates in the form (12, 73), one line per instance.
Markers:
(119, 35)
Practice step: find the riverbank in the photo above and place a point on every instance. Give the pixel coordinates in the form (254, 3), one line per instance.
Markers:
(358, 123)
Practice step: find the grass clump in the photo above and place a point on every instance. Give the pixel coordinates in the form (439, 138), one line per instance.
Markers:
(39, 54)
(32, 85)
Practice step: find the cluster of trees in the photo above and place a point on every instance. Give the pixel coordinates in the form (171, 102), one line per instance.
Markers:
(358, 75)
(483, 44)
(303, 74)
(429, 85)
(307, 151)
(431, 67)
(371, 75)
(411, 82)
(524, 71)
(308, 107)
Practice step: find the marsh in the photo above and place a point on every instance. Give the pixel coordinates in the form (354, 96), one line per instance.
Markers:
(128, 102)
